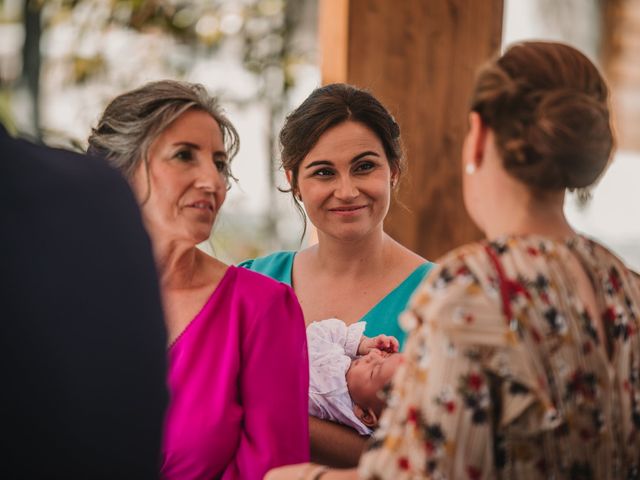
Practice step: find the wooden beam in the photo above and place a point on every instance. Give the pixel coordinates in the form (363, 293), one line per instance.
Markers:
(333, 32)
(419, 57)
(621, 48)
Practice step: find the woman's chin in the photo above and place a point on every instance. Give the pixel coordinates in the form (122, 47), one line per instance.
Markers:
(351, 235)
(198, 236)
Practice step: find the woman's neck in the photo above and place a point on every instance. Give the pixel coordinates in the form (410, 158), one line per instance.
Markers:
(351, 258)
(507, 206)
(525, 213)
(177, 264)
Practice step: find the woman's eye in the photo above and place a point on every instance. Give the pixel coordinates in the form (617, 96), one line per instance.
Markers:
(365, 166)
(221, 166)
(184, 155)
(322, 172)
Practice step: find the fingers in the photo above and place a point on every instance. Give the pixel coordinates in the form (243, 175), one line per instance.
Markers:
(386, 343)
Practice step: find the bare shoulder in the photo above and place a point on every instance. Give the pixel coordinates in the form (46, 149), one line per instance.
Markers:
(402, 258)
(303, 264)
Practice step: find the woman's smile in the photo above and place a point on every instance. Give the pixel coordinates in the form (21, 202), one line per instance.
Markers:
(202, 205)
(348, 211)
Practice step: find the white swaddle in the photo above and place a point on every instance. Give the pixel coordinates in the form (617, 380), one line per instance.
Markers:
(332, 347)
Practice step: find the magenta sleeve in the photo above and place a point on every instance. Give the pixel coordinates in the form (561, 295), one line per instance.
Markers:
(274, 388)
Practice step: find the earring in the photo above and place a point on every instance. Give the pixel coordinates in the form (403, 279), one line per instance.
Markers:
(470, 168)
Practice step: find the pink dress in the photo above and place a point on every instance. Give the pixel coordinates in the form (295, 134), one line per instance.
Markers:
(239, 380)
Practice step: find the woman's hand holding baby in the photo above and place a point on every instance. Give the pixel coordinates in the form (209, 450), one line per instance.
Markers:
(384, 343)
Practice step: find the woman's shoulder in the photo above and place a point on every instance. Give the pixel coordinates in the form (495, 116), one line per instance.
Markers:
(600, 252)
(276, 265)
(273, 258)
(260, 297)
(256, 282)
(601, 257)
(470, 253)
(404, 256)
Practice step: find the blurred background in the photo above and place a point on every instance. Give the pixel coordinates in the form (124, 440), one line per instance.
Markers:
(61, 61)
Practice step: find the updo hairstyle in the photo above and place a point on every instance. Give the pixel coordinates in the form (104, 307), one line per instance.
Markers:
(133, 120)
(327, 107)
(548, 106)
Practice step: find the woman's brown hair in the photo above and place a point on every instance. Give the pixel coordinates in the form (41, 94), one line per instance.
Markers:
(327, 107)
(548, 106)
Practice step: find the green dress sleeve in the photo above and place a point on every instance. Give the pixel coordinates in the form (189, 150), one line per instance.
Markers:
(277, 265)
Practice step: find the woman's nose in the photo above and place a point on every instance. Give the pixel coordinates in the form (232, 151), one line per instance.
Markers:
(210, 178)
(346, 189)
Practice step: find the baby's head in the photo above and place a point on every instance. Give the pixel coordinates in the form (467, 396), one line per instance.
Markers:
(366, 377)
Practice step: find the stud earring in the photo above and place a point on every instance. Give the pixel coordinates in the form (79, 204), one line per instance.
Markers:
(470, 168)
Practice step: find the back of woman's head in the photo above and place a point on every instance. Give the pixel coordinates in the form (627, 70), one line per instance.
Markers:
(329, 106)
(548, 107)
(133, 120)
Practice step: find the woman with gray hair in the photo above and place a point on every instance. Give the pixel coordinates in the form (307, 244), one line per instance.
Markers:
(236, 338)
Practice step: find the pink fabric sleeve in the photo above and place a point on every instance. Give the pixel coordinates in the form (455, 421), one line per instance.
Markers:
(274, 386)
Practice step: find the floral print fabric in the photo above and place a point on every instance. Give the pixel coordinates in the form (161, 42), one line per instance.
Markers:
(524, 388)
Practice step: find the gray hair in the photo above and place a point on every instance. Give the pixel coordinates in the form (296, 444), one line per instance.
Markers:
(133, 120)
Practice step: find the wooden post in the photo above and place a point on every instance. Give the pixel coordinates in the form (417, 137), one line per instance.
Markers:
(621, 47)
(419, 57)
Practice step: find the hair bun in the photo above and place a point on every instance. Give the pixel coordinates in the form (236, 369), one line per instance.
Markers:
(547, 104)
(565, 144)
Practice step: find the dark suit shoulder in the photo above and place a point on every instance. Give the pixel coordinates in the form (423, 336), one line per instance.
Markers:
(50, 169)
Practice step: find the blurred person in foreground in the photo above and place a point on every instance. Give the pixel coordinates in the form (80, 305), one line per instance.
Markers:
(524, 356)
(82, 345)
(238, 370)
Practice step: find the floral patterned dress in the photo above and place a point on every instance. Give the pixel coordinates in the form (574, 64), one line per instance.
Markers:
(506, 375)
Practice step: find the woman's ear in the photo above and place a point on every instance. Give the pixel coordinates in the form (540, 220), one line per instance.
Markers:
(140, 182)
(394, 178)
(294, 190)
(366, 416)
(475, 143)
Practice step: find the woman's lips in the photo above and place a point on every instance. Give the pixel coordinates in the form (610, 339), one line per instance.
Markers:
(351, 210)
(203, 205)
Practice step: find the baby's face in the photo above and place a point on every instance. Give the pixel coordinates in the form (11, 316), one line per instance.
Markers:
(368, 374)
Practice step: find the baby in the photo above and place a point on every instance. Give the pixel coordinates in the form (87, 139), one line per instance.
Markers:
(343, 388)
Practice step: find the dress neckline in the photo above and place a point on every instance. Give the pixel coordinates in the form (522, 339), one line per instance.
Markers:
(226, 276)
(394, 291)
(408, 279)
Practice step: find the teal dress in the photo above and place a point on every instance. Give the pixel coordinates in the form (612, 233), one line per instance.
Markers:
(381, 319)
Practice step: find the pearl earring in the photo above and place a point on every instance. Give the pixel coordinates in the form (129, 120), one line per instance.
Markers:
(470, 168)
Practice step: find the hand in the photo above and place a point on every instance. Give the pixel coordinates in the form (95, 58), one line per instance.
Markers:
(294, 472)
(384, 343)
(288, 472)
